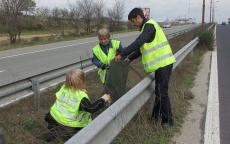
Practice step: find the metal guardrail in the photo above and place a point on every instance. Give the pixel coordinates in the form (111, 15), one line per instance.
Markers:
(108, 124)
(11, 92)
(172, 35)
(41, 82)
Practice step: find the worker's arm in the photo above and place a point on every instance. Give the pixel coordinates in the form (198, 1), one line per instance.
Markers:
(134, 55)
(88, 106)
(97, 62)
(146, 36)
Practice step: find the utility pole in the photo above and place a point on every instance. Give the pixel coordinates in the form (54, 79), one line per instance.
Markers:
(203, 13)
(213, 10)
(188, 8)
(210, 20)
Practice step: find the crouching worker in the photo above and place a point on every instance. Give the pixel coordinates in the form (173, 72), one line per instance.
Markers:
(104, 52)
(72, 109)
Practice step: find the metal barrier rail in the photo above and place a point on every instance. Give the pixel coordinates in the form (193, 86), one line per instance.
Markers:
(172, 35)
(108, 124)
(13, 91)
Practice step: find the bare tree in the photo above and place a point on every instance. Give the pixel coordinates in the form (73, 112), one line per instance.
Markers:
(87, 12)
(116, 14)
(56, 14)
(64, 19)
(13, 11)
(74, 15)
(2, 19)
(42, 15)
(99, 13)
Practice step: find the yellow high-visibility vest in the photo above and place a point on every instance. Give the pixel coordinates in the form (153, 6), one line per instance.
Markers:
(157, 53)
(105, 59)
(65, 110)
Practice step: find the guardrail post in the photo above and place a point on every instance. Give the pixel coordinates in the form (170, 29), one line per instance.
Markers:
(191, 53)
(89, 53)
(35, 88)
(81, 62)
(2, 136)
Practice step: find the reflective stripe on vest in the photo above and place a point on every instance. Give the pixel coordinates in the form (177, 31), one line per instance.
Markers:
(102, 74)
(105, 59)
(157, 53)
(155, 48)
(80, 117)
(65, 110)
(64, 99)
(158, 60)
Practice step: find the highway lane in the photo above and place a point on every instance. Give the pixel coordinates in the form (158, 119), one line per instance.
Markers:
(223, 60)
(18, 64)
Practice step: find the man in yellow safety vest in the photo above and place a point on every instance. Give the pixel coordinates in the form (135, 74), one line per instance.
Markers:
(152, 45)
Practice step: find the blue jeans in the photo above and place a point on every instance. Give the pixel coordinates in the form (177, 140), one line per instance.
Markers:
(162, 106)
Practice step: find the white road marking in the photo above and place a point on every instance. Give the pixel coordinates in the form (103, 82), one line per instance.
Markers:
(212, 123)
(44, 50)
(2, 71)
(38, 51)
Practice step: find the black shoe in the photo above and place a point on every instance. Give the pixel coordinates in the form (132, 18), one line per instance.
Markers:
(155, 117)
(49, 137)
(166, 125)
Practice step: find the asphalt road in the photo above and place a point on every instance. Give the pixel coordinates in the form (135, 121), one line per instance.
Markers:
(18, 64)
(223, 60)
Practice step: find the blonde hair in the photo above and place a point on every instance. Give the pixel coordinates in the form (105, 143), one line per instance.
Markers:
(75, 79)
(103, 32)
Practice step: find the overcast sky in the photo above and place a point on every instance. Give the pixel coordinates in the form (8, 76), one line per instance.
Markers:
(161, 10)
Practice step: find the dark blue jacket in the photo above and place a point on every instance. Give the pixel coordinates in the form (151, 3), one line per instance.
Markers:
(148, 35)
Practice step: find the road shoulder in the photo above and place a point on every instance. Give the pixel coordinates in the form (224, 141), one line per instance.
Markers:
(192, 130)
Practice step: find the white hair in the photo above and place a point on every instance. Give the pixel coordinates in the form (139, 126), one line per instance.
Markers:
(103, 32)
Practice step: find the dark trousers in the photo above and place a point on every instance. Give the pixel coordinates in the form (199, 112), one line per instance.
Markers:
(57, 130)
(162, 106)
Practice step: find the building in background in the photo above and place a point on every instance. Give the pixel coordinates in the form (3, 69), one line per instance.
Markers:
(183, 21)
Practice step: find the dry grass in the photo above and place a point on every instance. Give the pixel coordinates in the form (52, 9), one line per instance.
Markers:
(22, 125)
(142, 130)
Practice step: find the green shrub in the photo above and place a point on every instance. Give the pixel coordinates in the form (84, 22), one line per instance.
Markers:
(28, 123)
(206, 39)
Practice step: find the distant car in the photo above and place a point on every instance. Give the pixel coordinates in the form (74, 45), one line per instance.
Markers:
(223, 23)
(166, 25)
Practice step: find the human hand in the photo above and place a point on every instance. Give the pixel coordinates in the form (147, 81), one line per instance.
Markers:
(118, 58)
(107, 98)
(127, 60)
(105, 66)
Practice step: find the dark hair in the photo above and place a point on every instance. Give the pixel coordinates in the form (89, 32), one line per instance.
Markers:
(135, 12)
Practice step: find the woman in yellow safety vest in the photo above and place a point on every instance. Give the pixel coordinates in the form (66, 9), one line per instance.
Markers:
(72, 109)
(104, 52)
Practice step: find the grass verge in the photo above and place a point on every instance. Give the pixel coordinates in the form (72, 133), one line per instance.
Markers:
(142, 130)
(22, 125)
(36, 40)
